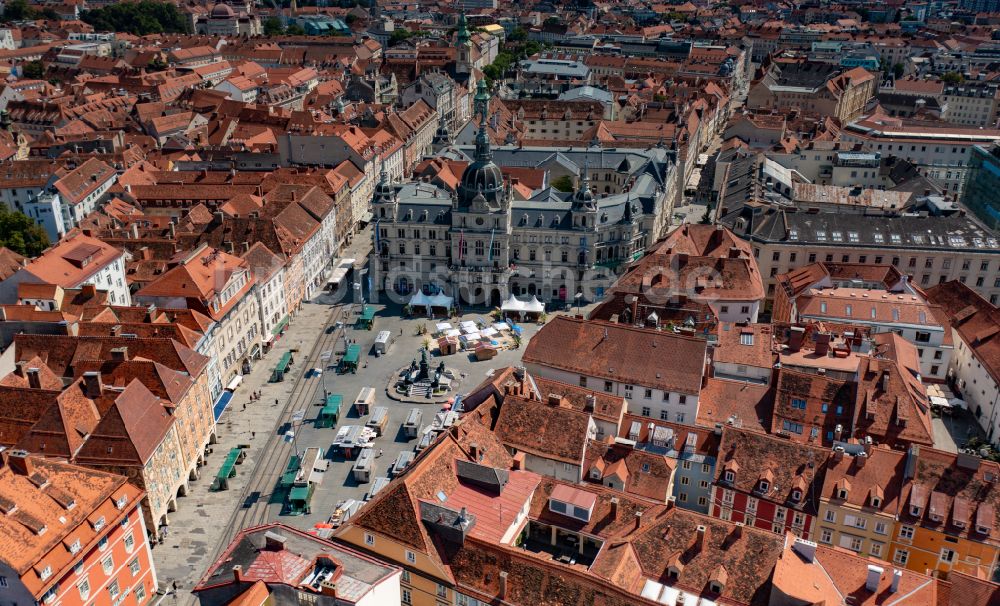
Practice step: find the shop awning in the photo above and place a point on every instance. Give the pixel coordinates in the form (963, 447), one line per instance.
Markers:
(283, 362)
(368, 314)
(333, 402)
(222, 403)
(299, 493)
(353, 354)
(235, 383)
(338, 275)
(280, 326)
(367, 217)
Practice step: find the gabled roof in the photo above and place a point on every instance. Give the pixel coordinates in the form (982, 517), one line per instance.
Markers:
(130, 431)
(543, 429)
(620, 353)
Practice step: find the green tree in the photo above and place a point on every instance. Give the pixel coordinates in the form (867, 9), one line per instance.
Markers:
(20, 234)
(518, 35)
(897, 70)
(138, 18)
(273, 27)
(552, 21)
(34, 70)
(952, 78)
(156, 65)
(295, 30)
(400, 35)
(17, 10)
(350, 19)
(563, 183)
(706, 219)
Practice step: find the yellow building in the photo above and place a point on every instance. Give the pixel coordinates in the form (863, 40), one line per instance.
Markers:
(392, 526)
(947, 520)
(860, 498)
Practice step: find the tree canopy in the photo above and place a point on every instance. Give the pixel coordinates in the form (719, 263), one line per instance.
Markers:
(563, 183)
(138, 18)
(21, 234)
(19, 10)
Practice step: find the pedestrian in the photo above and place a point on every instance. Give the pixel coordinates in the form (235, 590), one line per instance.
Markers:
(276, 401)
(253, 434)
(244, 406)
(401, 332)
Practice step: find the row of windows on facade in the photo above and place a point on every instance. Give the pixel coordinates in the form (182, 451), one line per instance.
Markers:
(984, 266)
(529, 239)
(629, 389)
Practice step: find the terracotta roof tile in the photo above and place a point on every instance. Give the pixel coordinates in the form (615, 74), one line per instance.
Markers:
(619, 353)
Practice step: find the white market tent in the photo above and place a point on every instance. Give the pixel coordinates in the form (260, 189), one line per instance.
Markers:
(515, 305)
(439, 300)
(443, 326)
(452, 332)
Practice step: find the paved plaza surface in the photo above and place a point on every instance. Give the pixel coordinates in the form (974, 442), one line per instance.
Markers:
(206, 520)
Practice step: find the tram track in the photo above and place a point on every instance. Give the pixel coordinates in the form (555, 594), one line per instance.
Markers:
(255, 498)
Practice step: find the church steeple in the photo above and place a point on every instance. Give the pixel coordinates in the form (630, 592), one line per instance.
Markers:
(482, 185)
(463, 62)
(482, 100)
(463, 30)
(583, 198)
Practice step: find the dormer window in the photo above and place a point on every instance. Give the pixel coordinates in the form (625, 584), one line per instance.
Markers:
(715, 587)
(842, 494)
(673, 573)
(763, 486)
(99, 523)
(935, 517)
(595, 474)
(982, 530)
(730, 477)
(796, 495)
(915, 511)
(876, 502)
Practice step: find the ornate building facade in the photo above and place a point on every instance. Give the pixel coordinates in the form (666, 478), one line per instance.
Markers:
(480, 245)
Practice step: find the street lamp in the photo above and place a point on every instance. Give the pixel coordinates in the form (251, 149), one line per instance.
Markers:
(579, 297)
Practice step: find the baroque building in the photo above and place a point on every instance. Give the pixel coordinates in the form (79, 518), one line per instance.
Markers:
(476, 242)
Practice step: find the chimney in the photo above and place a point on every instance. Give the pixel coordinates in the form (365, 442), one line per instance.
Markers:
(897, 575)
(92, 386)
(502, 594)
(555, 400)
(838, 432)
(591, 402)
(795, 338)
(806, 549)
(911, 462)
(614, 508)
(822, 343)
(699, 542)
(119, 354)
(34, 378)
(273, 541)
(237, 574)
(638, 519)
(874, 577)
(861, 459)
(19, 462)
(474, 451)
(838, 454)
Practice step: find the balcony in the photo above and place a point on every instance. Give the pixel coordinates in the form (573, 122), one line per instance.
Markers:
(563, 546)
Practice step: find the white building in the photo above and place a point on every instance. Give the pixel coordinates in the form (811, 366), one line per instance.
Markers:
(975, 330)
(74, 261)
(659, 373)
